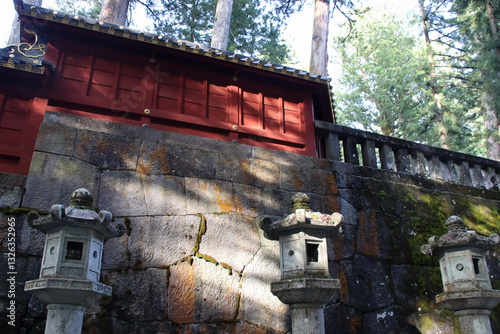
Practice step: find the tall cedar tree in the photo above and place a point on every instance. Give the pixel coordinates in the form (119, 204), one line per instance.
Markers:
(222, 20)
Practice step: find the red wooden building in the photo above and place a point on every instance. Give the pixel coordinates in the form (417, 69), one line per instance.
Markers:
(83, 67)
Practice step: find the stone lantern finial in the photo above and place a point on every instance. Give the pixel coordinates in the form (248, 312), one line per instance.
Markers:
(455, 223)
(300, 201)
(466, 281)
(81, 198)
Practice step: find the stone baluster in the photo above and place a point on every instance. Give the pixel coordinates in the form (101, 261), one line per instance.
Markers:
(351, 151)
(387, 157)
(402, 160)
(418, 166)
(477, 176)
(464, 174)
(369, 155)
(435, 168)
(332, 146)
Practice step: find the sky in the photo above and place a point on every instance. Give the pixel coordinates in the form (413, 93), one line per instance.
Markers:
(298, 32)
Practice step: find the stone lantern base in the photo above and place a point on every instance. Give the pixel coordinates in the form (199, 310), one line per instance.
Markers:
(472, 308)
(306, 297)
(66, 299)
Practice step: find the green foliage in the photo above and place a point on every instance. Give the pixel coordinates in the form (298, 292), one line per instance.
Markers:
(255, 29)
(86, 8)
(383, 77)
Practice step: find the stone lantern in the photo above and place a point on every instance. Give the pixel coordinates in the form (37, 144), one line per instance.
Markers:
(466, 281)
(71, 264)
(305, 284)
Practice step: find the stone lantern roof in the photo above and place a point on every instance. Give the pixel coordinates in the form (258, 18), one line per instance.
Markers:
(78, 214)
(458, 236)
(302, 217)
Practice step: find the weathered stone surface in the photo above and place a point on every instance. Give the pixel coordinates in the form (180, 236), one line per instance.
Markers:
(379, 236)
(340, 318)
(11, 197)
(387, 320)
(153, 159)
(283, 158)
(230, 168)
(122, 194)
(54, 177)
(181, 294)
(190, 162)
(323, 182)
(12, 188)
(212, 145)
(28, 240)
(248, 199)
(91, 124)
(138, 295)
(209, 196)
(365, 284)
(107, 151)
(294, 178)
(227, 232)
(265, 174)
(116, 252)
(56, 138)
(216, 292)
(164, 194)
(37, 308)
(256, 294)
(95, 324)
(163, 240)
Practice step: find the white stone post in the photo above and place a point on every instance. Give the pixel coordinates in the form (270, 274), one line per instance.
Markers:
(466, 281)
(71, 264)
(305, 284)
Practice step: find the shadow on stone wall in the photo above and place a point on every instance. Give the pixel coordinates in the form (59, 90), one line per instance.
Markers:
(193, 259)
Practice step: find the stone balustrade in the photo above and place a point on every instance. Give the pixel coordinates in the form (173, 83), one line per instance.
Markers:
(357, 147)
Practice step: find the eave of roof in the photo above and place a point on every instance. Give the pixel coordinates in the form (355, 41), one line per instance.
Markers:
(146, 37)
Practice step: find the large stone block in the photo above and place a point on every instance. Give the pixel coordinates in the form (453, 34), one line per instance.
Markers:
(107, 150)
(209, 196)
(230, 168)
(258, 305)
(323, 182)
(154, 159)
(190, 162)
(28, 239)
(365, 284)
(294, 178)
(388, 320)
(229, 232)
(164, 194)
(265, 174)
(379, 236)
(53, 178)
(138, 295)
(181, 293)
(216, 292)
(162, 240)
(56, 138)
(121, 192)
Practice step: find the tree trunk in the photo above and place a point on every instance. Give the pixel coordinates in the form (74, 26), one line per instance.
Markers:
(438, 108)
(491, 120)
(493, 25)
(491, 126)
(15, 32)
(114, 11)
(222, 21)
(319, 50)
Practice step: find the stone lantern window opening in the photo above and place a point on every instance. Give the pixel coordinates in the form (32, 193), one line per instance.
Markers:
(312, 251)
(74, 250)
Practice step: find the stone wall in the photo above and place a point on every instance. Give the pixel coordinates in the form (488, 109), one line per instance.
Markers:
(193, 259)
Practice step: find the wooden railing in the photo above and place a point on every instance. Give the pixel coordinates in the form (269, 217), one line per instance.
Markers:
(357, 147)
